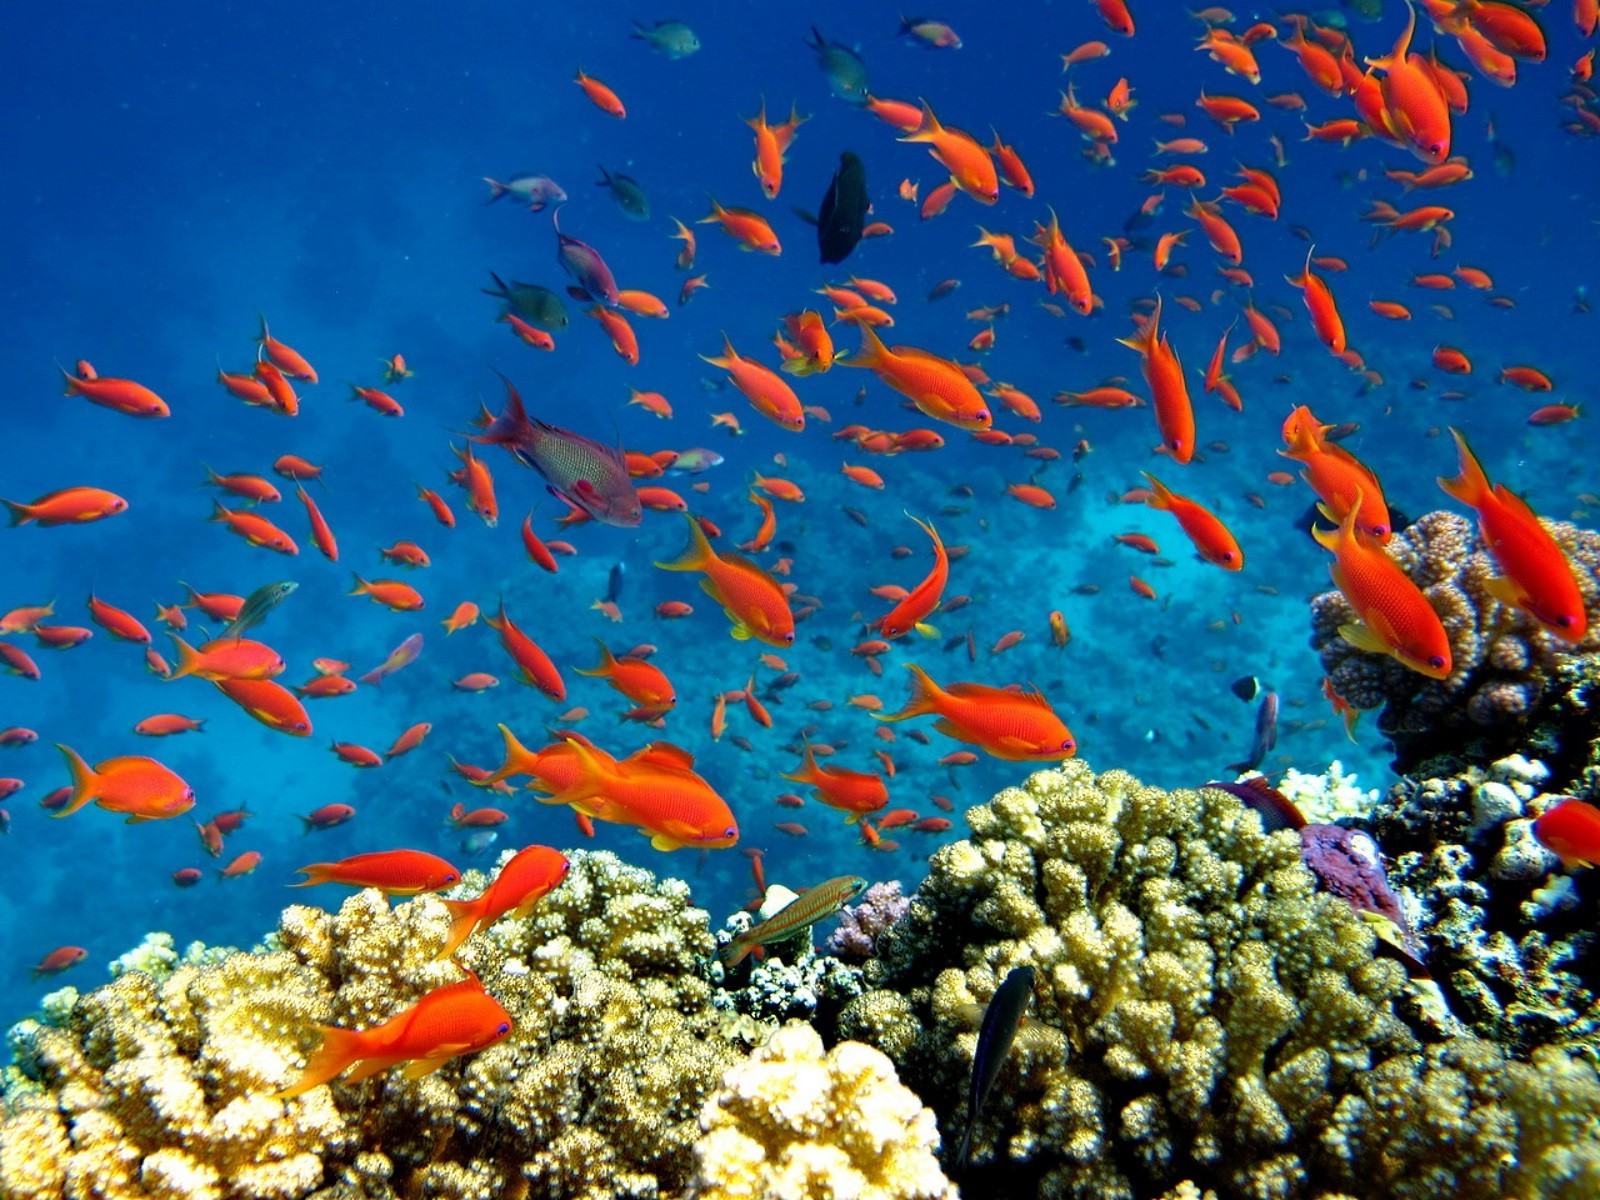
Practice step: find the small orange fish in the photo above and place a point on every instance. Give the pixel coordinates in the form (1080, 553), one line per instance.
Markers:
(766, 390)
(1168, 388)
(854, 792)
(753, 600)
(642, 682)
(600, 95)
(1210, 536)
(971, 169)
(750, 229)
(69, 506)
(1570, 829)
(530, 875)
(1016, 726)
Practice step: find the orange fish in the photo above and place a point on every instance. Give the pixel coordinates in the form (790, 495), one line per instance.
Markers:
(766, 390)
(69, 506)
(167, 724)
(1393, 617)
(812, 344)
(392, 872)
(1324, 312)
(1336, 475)
(1210, 536)
(1570, 829)
(600, 95)
(971, 169)
(656, 790)
(132, 784)
(286, 359)
(917, 605)
(391, 593)
(474, 476)
(255, 529)
(120, 395)
(534, 667)
(854, 792)
(458, 1018)
(274, 706)
(753, 600)
(640, 681)
(528, 876)
(1015, 726)
(749, 229)
(227, 658)
(937, 386)
(1063, 269)
(772, 147)
(1168, 388)
(1415, 112)
(623, 339)
(1538, 578)
(117, 622)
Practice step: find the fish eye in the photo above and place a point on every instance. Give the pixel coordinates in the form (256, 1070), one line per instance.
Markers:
(788, 639)
(1069, 744)
(1565, 621)
(1437, 662)
(731, 831)
(503, 1028)
(451, 877)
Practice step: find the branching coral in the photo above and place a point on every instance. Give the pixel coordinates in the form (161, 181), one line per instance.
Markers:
(1512, 684)
(795, 1122)
(164, 1089)
(1203, 1005)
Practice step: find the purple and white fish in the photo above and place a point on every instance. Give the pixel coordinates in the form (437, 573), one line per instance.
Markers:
(537, 191)
(583, 262)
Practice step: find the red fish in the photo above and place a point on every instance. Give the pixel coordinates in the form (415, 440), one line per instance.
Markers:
(140, 787)
(534, 667)
(1168, 388)
(1210, 536)
(121, 395)
(1570, 829)
(392, 872)
(1017, 726)
(854, 792)
(754, 601)
(531, 874)
(69, 506)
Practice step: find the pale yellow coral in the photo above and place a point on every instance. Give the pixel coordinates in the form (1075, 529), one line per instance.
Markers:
(792, 1121)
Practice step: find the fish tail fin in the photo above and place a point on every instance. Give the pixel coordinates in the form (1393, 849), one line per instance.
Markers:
(496, 190)
(697, 555)
(340, 1048)
(511, 427)
(929, 129)
(807, 772)
(74, 384)
(361, 588)
(590, 776)
(873, 353)
(1471, 486)
(83, 782)
(188, 658)
(20, 514)
(317, 873)
(925, 694)
(608, 662)
(1160, 495)
(517, 761)
(464, 918)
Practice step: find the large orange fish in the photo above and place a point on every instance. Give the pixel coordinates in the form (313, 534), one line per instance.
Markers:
(656, 790)
(227, 658)
(392, 872)
(753, 600)
(530, 874)
(938, 387)
(971, 169)
(1414, 109)
(1538, 577)
(1016, 726)
(273, 705)
(766, 390)
(458, 1018)
(132, 784)
(1393, 617)
(1210, 536)
(1169, 390)
(1336, 475)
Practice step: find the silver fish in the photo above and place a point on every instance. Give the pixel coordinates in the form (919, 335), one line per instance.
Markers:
(257, 605)
(672, 38)
(536, 191)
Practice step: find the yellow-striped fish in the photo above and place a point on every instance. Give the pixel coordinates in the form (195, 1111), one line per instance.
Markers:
(803, 912)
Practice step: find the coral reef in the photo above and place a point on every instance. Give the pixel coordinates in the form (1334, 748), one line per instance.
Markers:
(1502, 927)
(792, 1121)
(163, 1088)
(1204, 1005)
(1331, 796)
(1512, 686)
(881, 905)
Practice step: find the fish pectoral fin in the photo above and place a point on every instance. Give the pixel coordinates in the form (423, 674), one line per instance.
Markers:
(740, 632)
(1503, 590)
(663, 841)
(950, 729)
(419, 1067)
(368, 1067)
(925, 630)
(1362, 638)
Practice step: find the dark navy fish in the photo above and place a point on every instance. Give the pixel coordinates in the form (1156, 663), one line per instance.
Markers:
(619, 573)
(580, 471)
(844, 210)
(1001, 1018)
(583, 262)
(1266, 734)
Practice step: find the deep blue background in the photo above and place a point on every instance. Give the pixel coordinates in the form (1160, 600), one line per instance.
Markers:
(171, 171)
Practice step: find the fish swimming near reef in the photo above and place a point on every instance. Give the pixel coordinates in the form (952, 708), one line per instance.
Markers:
(843, 215)
(1001, 1019)
(587, 475)
(1265, 736)
(817, 904)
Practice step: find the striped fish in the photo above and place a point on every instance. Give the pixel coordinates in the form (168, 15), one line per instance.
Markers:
(803, 912)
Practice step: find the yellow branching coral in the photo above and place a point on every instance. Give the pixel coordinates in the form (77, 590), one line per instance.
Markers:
(163, 1089)
(792, 1121)
(1203, 1005)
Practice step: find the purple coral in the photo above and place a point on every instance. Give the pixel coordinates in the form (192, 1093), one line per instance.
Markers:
(882, 905)
(1509, 673)
(1347, 863)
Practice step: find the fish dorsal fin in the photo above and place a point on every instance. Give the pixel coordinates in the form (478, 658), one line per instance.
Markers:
(665, 754)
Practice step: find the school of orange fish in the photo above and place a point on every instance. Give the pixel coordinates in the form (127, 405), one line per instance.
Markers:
(1396, 95)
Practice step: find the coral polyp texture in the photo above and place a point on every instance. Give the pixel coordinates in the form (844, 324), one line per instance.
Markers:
(164, 1088)
(1513, 686)
(1202, 1011)
(793, 1121)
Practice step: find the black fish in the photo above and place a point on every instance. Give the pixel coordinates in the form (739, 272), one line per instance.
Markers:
(1001, 1019)
(1247, 688)
(614, 584)
(1266, 734)
(844, 210)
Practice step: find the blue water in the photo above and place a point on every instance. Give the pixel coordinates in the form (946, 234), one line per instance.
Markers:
(172, 171)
